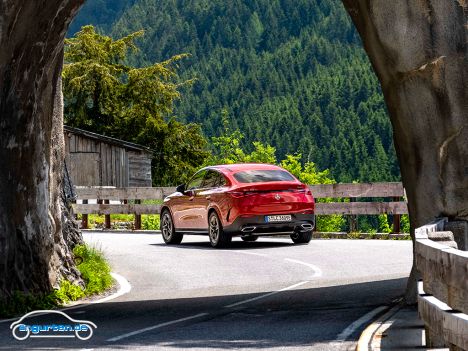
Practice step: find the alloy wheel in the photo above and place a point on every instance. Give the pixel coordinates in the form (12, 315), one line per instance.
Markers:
(166, 226)
(214, 228)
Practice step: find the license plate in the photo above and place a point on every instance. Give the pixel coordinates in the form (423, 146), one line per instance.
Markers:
(278, 218)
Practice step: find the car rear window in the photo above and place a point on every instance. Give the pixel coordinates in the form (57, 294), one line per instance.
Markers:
(268, 175)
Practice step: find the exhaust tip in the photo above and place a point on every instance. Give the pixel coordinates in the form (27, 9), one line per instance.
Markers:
(307, 227)
(248, 229)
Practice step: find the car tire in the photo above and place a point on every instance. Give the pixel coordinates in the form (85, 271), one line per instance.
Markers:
(218, 237)
(301, 237)
(170, 236)
(249, 238)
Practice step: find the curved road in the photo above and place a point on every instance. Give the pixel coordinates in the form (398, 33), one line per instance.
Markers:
(265, 295)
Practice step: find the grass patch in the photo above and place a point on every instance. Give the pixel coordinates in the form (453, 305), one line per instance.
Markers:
(95, 272)
(21, 303)
(353, 235)
(402, 237)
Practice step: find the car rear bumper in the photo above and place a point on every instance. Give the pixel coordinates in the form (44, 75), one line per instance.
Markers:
(256, 225)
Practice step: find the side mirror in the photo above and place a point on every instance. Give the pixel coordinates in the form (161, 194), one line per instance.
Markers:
(181, 188)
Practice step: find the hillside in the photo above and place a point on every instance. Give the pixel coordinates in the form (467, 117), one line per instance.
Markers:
(292, 73)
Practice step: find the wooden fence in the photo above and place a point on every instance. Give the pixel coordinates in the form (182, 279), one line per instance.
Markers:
(443, 293)
(389, 197)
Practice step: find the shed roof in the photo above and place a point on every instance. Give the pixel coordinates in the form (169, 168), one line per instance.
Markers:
(109, 140)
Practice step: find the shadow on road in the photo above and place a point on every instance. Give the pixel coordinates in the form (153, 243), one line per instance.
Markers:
(293, 319)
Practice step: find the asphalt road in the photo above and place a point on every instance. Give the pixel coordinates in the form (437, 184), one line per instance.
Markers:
(266, 295)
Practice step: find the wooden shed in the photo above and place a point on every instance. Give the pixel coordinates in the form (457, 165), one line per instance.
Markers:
(97, 160)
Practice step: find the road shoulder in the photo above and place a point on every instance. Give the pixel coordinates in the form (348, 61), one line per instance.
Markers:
(398, 329)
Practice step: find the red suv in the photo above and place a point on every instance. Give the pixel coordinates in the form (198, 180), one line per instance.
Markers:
(246, 200)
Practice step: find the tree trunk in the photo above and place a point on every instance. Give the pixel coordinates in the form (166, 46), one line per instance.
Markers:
(418, 49)
(33, 253)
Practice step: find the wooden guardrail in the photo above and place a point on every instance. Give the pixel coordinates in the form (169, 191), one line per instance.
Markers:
(443, 292)
(392, 192)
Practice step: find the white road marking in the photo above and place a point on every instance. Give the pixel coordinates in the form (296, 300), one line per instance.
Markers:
(157, 326)
(350, 329)
(266, 295)
(125, 288)
(317, 271)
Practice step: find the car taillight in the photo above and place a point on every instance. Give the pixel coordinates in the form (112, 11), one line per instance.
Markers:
(241, 193)
(303, 190)
(300, 191)
(236, 193)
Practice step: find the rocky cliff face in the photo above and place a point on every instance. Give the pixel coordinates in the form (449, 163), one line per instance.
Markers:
(34, 254)
(419, 50)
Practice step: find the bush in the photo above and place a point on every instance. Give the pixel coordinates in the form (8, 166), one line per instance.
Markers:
(94, 269)
(384, 227)
(405, 224)
(150, 222)
(68, 292)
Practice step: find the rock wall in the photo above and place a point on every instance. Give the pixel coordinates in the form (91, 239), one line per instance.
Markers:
(419, 52)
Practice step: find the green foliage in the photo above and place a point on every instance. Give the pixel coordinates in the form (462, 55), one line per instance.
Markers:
(384, 226)
(150, 222)
(105, 95)
(372, 234)
(121, 217)
(401, 237)
(293, 73)
(94, 269)
(95, 272)
(99, 12)
(330, 223)
(21, 303)
(94, 221)
(68, 292)
(354, 235)
(405, 224)
(309, 174)
(226, 148)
